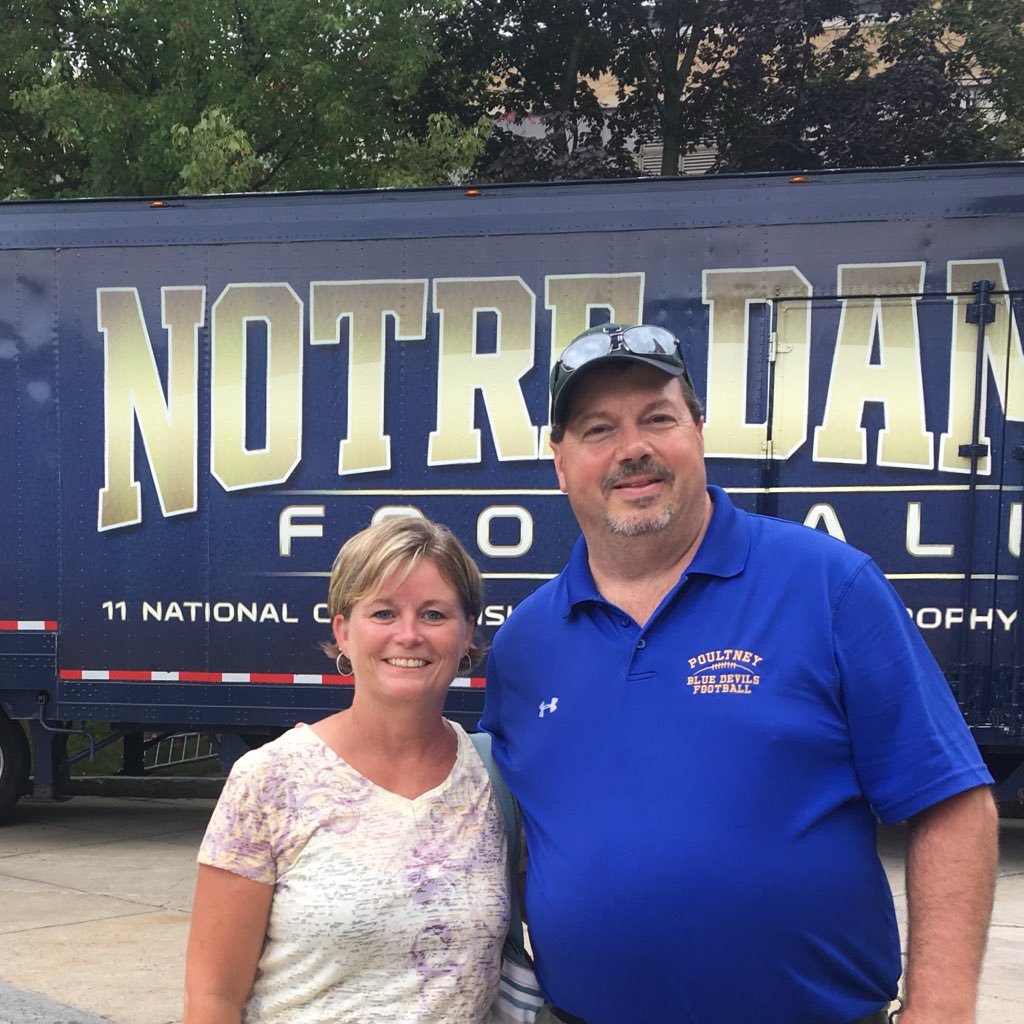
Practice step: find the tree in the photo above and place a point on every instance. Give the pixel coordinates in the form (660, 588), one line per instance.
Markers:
(771, 85)
(987, 40)
(134, 97)
(137, 97)
(543, 61)
(838, 89)
(665, 94)
(790, 84)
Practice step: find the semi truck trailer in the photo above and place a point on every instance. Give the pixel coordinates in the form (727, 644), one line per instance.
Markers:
(201, 398)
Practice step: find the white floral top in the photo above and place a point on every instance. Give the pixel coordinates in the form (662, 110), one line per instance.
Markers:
(386, 910)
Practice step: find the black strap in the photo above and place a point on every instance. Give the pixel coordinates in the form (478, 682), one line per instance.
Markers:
(878, 1017)
(510, 812)
(565, 1015)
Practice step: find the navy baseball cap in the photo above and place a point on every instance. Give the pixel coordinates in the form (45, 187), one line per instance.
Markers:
(646, 343)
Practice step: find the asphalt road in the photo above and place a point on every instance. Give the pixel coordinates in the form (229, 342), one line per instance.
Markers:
(95, 895)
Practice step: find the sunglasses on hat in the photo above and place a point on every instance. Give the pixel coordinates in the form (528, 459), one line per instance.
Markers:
(645, 343)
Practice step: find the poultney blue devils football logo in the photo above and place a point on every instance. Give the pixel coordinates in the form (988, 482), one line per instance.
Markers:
(726, 670)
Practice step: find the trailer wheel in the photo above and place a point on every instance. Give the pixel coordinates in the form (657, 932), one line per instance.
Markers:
(15, 764)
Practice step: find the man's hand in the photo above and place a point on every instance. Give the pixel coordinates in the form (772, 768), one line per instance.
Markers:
(952, 855)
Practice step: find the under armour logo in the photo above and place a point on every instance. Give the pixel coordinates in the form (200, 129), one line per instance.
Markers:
(552, 707)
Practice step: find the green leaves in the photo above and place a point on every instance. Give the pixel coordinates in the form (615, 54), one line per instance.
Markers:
(137, 97)
(146, 97)
(215, 156)
(989, 38)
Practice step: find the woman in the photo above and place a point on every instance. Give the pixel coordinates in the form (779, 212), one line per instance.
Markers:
(354, 871)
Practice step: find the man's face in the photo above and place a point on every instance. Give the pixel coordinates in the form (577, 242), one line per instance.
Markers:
(632, 458)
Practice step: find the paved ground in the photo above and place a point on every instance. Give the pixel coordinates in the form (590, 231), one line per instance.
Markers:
(95, 896)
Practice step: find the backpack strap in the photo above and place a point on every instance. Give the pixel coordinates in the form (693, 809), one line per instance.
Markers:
(510, 812)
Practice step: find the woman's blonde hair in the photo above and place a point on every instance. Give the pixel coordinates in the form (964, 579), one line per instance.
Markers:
(400, 543)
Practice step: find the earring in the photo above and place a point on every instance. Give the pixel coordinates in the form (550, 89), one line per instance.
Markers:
(469, 663)
(337, 662)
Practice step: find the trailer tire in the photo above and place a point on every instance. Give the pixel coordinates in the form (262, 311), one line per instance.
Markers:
(15, 764)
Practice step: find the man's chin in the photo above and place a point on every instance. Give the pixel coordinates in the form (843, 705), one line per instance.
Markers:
(637, 524)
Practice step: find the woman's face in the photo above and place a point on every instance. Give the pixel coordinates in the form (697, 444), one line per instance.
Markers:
(406, 642)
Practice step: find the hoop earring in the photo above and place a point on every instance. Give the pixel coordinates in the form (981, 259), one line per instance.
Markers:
(337, 662)
(469, 663)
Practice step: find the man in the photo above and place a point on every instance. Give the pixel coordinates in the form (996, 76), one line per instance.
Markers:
(702, 716)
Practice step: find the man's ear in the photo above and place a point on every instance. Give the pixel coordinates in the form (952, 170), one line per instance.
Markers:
(556, 451)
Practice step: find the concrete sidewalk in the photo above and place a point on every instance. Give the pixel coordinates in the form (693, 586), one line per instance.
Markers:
(95, 896)
(1001, 993)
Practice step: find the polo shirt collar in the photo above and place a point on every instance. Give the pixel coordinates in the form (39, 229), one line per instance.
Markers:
(726, 545)
(723, 552)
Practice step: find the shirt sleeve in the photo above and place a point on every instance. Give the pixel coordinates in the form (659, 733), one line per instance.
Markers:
(911, 746)
(240, 834)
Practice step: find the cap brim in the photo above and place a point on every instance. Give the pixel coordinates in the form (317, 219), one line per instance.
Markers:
(560, 399)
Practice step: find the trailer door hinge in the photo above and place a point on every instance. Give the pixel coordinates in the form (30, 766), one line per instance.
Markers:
(978, 311)
(973, 451)
(773, 347)
(768, 447)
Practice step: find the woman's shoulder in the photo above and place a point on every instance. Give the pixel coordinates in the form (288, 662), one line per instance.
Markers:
(255, 820)
(295, 744)
(292, 757)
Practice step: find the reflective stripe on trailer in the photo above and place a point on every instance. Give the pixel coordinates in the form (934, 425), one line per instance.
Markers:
(72, 675)
(29, 625)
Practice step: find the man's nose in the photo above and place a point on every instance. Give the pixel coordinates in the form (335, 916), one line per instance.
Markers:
(633, 444)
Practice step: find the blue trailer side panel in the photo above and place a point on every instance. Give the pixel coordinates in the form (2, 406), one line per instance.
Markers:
(201, 401)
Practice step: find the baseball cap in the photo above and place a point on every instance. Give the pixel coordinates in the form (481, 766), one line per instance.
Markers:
(645, 343)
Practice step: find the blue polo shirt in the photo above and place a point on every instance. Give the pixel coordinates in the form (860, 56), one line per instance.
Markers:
(700, 794)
